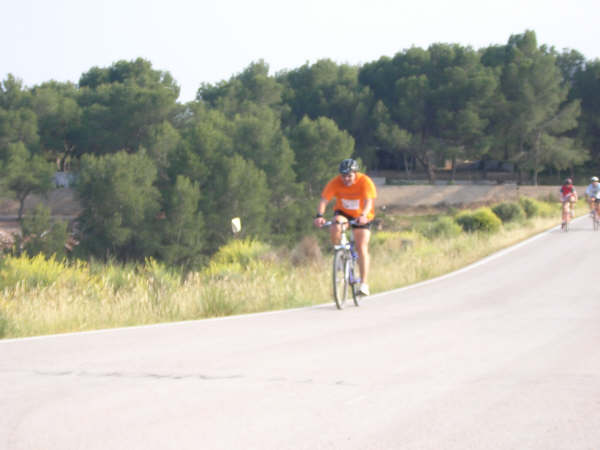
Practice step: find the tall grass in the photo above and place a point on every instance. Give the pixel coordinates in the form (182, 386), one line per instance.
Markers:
(46, 296)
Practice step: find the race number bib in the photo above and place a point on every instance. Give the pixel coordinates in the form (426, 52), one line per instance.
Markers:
(350, 204)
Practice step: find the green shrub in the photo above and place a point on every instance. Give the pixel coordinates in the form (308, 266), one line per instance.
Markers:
(241, 252)
(509, 211)
(307, 251)
(42, 234)
(482, 219)
(487, 220)
(382, 238)
(237, 256)
(445, 227)
(548, 198)
(394, 240)
(119, 276)
(538, 208)
(548, 209)
(466, 220)
(30, 272)
(3, 324)
(530, 206)
(160, 276)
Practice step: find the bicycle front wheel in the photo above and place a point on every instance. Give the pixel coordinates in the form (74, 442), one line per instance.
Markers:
(354, 281)
(340, 280)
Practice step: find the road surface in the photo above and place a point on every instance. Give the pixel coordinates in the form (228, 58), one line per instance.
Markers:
(503, 355)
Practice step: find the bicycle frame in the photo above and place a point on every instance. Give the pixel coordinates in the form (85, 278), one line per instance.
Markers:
(567, 208)
(344, 267)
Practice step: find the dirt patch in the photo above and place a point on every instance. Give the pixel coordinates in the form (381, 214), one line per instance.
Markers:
(8, 230)
(407, 200)
(62, 203)
(423, 198)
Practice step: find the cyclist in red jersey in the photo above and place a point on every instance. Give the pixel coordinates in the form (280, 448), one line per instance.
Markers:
(568, 196)
(355, 194)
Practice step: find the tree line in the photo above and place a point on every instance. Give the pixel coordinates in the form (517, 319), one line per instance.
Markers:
(157, 178)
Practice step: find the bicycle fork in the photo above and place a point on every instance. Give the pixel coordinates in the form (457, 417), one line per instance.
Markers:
(352, 278)
(350, 255)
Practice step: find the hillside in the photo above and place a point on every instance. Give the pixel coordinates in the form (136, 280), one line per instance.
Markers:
(406, 198)
(399, 199)
(63, 204)
(61, 201)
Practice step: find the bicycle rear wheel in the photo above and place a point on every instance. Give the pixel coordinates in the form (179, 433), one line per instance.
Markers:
(340, 280)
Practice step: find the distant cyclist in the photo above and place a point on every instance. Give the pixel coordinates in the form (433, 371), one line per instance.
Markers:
(568, 196)
(355, 194)
(592, 195)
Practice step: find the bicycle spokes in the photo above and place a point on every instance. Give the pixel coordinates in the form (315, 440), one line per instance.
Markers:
(340, 279)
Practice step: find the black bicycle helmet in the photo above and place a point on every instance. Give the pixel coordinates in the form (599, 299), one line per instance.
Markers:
(348, 165)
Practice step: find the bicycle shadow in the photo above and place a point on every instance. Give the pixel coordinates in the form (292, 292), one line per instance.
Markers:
(348, 306)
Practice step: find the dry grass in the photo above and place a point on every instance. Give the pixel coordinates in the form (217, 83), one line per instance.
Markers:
(39, 296)
(428, 259)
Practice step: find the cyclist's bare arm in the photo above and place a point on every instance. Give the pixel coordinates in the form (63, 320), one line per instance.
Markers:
(319, 219)
(363, 218)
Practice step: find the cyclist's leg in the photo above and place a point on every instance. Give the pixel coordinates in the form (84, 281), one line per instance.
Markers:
(572, 200)
(336, 229)
(361, 241)
(565, 211)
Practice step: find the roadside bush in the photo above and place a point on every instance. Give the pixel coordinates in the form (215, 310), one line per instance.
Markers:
(466, 220)
(160, 277)
(242, 251)
(444, 227)
(3, 324)
(548, 209)
(537, 208)
(306, 251)
(548, 198)
(394, 240)
(37, 271)
(487, 220)
(42, 234)
(509, 211)
(530, 206)
(482, 219)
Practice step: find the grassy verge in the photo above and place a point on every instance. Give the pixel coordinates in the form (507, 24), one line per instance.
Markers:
(44, 296)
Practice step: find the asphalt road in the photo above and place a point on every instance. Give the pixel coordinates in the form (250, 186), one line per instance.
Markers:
(503, 355)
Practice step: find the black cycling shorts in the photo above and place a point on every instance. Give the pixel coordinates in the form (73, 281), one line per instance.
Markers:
(366, 226)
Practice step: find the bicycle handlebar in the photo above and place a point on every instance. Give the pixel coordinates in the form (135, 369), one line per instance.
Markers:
(350, 222)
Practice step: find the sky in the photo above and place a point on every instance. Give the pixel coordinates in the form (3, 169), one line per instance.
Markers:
(211, 41)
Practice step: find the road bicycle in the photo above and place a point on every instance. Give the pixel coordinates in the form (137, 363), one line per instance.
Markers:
(568, 213)
(594, 213)
(345, 272)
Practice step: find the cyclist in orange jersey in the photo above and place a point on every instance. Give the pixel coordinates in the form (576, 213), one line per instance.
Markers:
(355, 194)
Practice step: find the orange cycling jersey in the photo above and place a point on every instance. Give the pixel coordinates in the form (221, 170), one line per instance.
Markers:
(351, 199)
